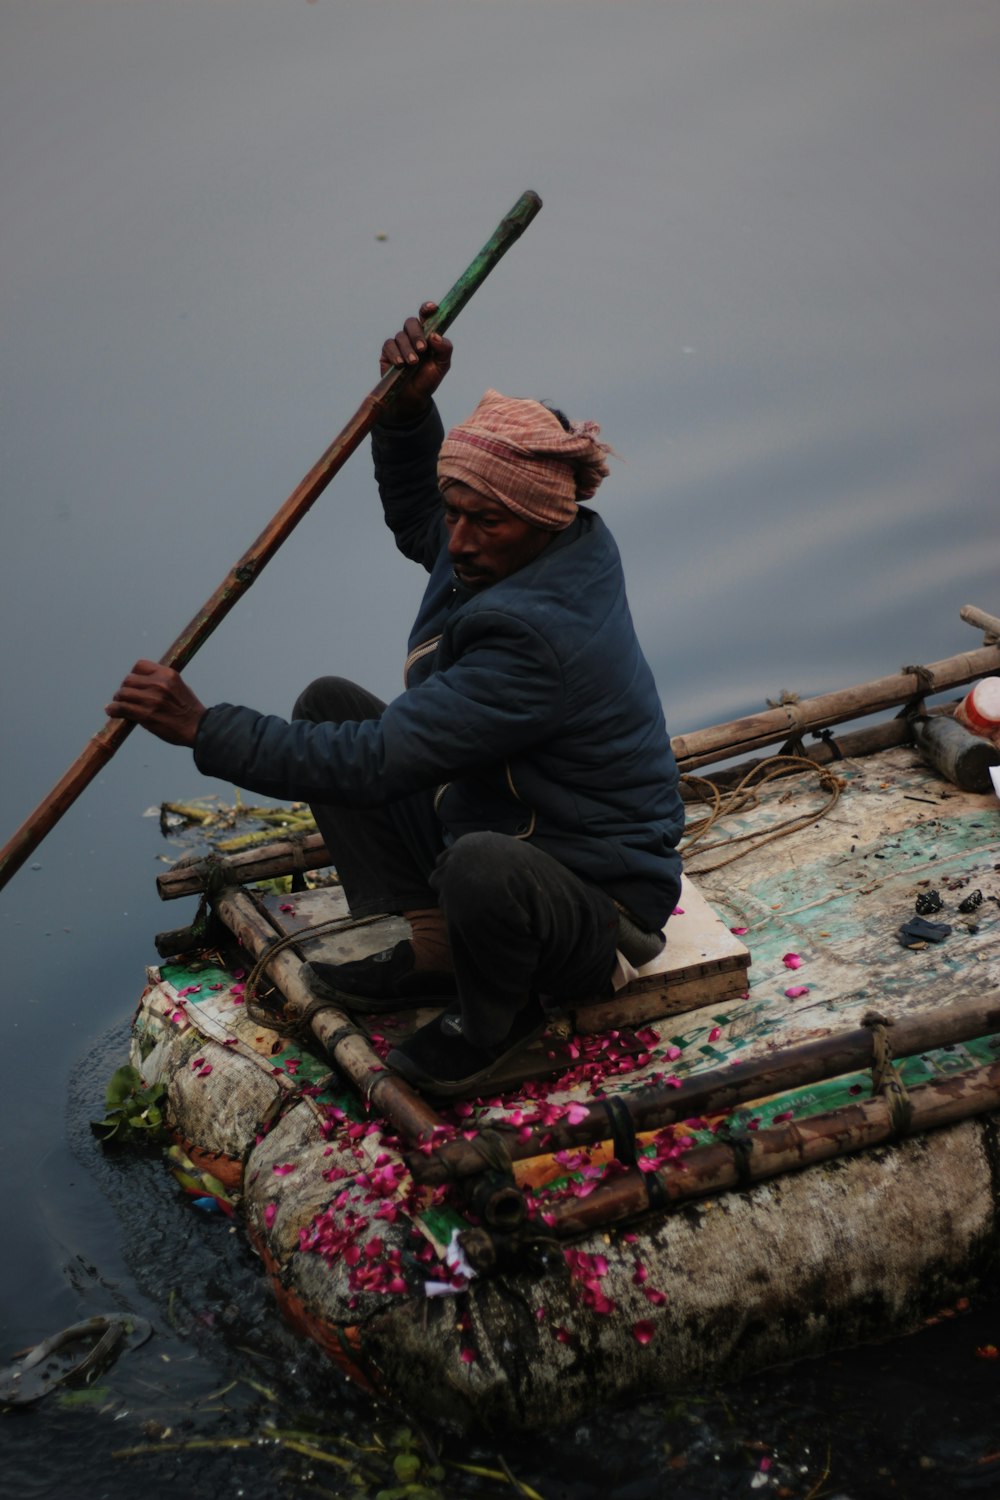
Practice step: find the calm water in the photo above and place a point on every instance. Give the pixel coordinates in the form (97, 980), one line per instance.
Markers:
(766, 264)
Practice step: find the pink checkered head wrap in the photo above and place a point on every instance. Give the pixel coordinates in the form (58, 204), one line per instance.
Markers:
(518, 452)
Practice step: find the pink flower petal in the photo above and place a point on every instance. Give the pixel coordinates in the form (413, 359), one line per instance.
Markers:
(739, 931)
(468, 1356)
(285, 906)
(643, 1331)
(269, 1213)
(715, 1033)
(678, 911)
(282, 1168)
(792, 961)
(795, 991)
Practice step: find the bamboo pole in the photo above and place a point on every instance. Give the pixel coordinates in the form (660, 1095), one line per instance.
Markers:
(114, 732)
(353, 1054)
(280, 857)
(781, 1148)
(988, 624)
(746, 735)
(719, 1089)
(855, 744)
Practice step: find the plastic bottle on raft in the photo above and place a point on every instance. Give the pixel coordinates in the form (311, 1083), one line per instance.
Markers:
(963, 758)
(979, 710)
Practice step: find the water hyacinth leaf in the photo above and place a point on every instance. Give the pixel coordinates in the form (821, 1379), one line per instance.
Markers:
(134, 1112)
(124, 1082)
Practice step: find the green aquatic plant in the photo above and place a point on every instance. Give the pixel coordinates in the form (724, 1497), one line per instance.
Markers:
(134, 1111)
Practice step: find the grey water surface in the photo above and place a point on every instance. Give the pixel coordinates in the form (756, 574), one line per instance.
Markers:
(767, 264)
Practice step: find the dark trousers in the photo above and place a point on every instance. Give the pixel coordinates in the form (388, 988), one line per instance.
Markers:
(519, 923)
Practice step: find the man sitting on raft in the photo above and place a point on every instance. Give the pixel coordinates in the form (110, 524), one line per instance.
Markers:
(518, 802)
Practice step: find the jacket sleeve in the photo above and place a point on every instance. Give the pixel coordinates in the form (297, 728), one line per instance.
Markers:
(406, 474)
(504, 694)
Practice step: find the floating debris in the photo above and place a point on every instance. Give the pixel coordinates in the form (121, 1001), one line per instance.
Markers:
(76, 1355)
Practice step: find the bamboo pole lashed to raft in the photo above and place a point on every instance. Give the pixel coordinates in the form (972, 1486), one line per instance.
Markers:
(787, 1147)
(113, 734)
(719, 1089)
(746, 735)
(338, 1036)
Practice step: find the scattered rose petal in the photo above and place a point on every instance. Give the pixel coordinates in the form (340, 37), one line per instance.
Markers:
(739, 931)
(795, 991)
(282, 1168)
(792, 961)
(468, 1356)
(269, 1213)
(785, 1115)
(643, 1331)
(715, 1033)
(678, 911)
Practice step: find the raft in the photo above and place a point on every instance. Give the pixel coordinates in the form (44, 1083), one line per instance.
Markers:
(780, 1139)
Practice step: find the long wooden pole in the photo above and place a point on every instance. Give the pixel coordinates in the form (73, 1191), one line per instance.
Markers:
(107, 740)
(720, 1089)
(744, 736)
(782, 1148)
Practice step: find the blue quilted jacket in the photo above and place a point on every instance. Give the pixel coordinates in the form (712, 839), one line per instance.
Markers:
(529, 707)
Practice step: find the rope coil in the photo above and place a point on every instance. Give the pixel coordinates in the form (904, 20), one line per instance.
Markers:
(746, 795)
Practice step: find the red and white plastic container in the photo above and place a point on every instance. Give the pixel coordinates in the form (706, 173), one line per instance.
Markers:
(979, 710)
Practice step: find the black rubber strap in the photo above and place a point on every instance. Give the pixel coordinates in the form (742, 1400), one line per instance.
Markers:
(622, 1131)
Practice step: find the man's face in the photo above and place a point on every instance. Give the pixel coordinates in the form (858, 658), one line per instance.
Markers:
(487, 541)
